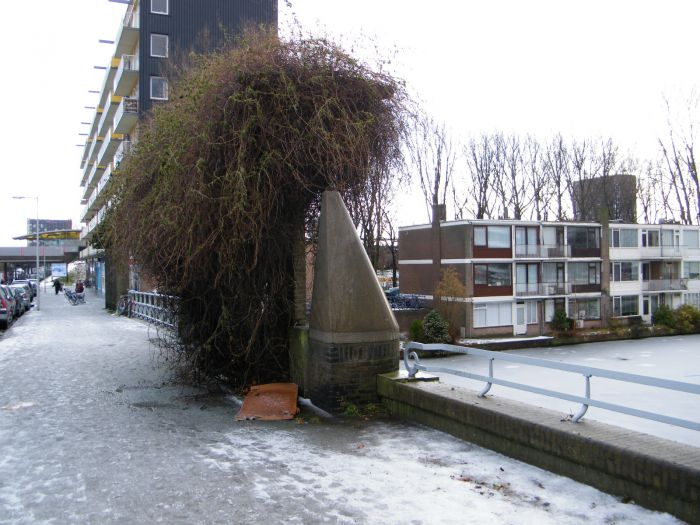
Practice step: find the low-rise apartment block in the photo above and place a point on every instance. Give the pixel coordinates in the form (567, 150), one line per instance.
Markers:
(517, 273)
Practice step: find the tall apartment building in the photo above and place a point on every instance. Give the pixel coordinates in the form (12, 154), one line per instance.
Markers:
(517, 273)
(151, 33)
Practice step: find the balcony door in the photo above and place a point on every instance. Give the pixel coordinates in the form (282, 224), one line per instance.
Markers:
(526, 241)
(526, 279)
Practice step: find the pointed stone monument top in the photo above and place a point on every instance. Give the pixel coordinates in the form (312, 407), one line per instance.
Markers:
(348, 305)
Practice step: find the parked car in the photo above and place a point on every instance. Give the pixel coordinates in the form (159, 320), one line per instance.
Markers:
(19, 301)
(29, 282)
(23, 293)
(7, 306)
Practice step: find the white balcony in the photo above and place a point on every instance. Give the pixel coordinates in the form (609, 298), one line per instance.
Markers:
(127, 115)
(664, 285)
(542, 251)
(128, 35)
(127, 75)
(109, 147)
(541, 289)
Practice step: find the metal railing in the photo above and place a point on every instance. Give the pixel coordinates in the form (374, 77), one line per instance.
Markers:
(541, 251)
(585, 371)
(155, 308)
(657, 285)
(535, 289)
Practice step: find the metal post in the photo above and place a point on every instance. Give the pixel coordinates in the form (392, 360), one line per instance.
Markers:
(38, 295)
(38, 288)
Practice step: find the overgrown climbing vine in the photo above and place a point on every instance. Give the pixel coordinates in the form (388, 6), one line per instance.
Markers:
(226, 176)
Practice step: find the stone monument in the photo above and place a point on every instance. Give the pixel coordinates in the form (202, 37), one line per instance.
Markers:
(353, 335)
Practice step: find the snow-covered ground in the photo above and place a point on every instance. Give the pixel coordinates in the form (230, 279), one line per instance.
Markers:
(93, 430)
(676, 358)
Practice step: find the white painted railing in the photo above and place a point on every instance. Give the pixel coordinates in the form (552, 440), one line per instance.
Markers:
(413, 365)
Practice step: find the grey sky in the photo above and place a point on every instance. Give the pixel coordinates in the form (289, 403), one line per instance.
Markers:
(587, 69)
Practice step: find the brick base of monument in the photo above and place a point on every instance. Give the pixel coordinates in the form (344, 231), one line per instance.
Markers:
(337, 374)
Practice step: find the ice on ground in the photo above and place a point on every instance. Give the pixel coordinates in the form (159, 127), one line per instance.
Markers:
(98, 432)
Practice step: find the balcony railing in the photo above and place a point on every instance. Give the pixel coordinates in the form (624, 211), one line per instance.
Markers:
(659, 285)
(532, 289)
(126, 115)
(541, 251)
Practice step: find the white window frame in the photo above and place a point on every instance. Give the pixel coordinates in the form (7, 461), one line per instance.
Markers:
(167, 44)
(151, 88)
(167, 9)
(503, 310)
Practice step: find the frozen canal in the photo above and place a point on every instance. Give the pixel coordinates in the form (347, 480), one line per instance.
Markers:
(676, 358)
(92, 430)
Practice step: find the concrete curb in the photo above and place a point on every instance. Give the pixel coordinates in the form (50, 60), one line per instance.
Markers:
(655, 473)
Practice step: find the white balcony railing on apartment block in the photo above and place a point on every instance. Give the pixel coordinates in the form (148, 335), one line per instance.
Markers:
(126, 115)
(660, 285)
(539, 289)
(541, 251)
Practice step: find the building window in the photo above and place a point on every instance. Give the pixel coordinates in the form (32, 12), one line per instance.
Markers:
(531, 312)
(583, 237)
(584, 273)
(692, 299)
(159, 46)
(492, 274)
(650, 238)
(692, 269)
(690, 239)
(584, 308)
(624, 271)
(160, 7)
(620, 238)
(159, 88)
(493, 314)
(492, 236)
(625, 305)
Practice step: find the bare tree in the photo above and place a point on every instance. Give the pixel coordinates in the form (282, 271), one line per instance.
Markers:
(678, 153)
(482, 165)
(433, 157)
(558, 168)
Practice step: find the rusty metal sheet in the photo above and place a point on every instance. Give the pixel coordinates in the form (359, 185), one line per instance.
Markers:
(270, 402)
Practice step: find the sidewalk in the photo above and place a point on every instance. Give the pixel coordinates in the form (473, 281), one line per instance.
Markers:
(92, 430)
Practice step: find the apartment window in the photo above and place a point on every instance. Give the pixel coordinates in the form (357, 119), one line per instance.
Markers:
(160, 7)
(625, 271)
(492, 236)
(692, 299)
(623, 238)
(690, 239)
(625, 305)
(159, 46)
(650, 238)
(584, 273)
(492, 274)
(493, 314)
(583, 237)
(692, 269)
(159, 88)
(584, 308)
(531, 312)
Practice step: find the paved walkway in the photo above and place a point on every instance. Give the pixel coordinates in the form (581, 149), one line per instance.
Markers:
(93, 430)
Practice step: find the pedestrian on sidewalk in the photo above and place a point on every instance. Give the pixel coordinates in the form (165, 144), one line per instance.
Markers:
(57, 285)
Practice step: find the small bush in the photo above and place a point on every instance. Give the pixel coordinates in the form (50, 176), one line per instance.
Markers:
(664, 316)
(436, 328)
(560, 321)
(687, 318)
(416, 332)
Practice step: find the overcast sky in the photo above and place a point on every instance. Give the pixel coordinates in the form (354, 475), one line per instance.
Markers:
(586, 69)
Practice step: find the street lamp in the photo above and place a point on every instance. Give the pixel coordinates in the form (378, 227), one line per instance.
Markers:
(38, 295)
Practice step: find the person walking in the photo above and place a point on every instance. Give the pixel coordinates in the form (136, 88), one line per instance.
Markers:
(57, 285)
